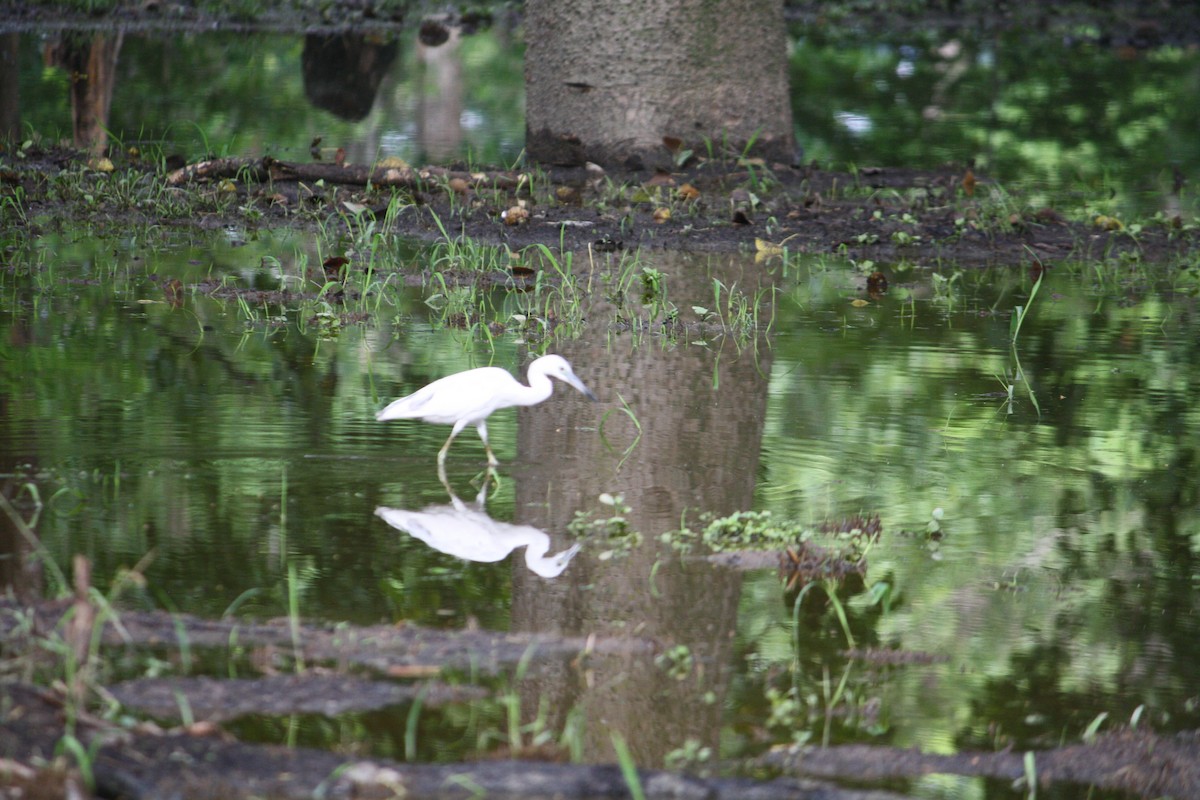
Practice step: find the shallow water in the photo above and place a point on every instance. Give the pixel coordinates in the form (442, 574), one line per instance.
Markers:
(235, 450)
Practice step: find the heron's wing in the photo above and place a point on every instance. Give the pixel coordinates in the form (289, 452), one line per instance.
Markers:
(470, 395)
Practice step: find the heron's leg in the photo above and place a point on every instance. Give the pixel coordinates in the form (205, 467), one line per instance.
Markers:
(445, 449)
(481, 426)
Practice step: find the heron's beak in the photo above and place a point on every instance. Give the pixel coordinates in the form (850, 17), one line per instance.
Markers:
(578, 384)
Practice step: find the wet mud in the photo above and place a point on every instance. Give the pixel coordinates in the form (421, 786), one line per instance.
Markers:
(887, 216)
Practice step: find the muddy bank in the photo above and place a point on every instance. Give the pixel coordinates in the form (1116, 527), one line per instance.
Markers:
(888, 216)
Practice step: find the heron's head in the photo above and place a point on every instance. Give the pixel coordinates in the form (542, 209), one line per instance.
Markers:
(556, 366)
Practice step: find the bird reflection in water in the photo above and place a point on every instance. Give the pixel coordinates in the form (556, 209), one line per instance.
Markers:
(467, 532)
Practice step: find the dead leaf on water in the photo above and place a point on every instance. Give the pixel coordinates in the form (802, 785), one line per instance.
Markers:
(173, 291)
(858, 302)
(877, 284)
(764, 249)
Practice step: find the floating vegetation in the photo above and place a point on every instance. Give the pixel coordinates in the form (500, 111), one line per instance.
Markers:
(611, 534)
(832, 551)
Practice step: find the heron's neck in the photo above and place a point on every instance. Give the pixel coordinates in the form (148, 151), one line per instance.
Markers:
(539, 389)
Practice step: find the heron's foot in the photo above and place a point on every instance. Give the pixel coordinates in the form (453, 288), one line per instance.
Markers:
(490, 474)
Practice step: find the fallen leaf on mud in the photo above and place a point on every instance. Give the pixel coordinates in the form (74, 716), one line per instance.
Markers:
(355, 208)
(660, 179)
(858, 302)
(227, 186)
(1108, 223)
(768, 248)
(751, 162)
(333, 265)
(459, 185)
(567, 194)
(414, 670)
(662, 214)
(672, 143)
(392, 162)
(339, 157)
(514, 216)
(521, 270)
(688, 192)
(595, 174)
(968, 183)
(203, 728)
(101, 164)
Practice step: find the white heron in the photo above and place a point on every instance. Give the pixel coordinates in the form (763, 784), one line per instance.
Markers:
(468, 398)
(468, 533)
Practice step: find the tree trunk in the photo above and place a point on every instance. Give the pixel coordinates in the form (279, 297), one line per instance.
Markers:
(606, 82)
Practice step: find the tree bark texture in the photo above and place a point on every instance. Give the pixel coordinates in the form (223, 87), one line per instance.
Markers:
(606, 82)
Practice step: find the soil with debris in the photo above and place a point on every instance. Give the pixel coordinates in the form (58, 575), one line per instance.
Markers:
(887, 216)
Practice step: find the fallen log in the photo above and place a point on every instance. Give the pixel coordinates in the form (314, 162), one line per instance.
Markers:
(270, 169)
